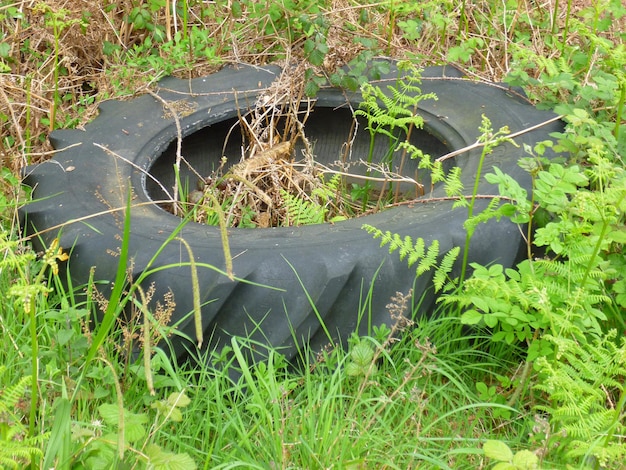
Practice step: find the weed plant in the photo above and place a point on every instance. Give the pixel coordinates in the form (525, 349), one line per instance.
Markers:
(520, 367)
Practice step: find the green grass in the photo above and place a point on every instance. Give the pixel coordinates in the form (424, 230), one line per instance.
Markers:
(465, 388)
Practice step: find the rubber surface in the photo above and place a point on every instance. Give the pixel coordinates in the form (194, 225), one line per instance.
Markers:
(336, 264)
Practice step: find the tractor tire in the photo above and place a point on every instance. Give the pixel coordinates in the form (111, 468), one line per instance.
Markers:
(293, 285)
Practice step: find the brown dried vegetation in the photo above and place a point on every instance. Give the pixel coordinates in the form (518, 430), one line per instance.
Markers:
(55, 69)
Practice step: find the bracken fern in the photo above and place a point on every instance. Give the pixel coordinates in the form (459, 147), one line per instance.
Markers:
(416, 252)
(16, 447)
(586, 391)
(302, 211)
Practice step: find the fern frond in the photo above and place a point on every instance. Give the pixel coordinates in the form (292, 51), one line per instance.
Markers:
(405, 248)
(488, 213)
(12, 394)
(453, 184)
(16, 450)
(430, 259)
(327, 191)
(301, 211)
(437, 173)
(445, 267)
(593, 423)
(578, 385)
(16, 454)
(396, 108)
(417, 252)
(611, 455)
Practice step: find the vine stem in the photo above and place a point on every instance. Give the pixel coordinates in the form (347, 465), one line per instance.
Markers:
(470, 213)
(523, 379)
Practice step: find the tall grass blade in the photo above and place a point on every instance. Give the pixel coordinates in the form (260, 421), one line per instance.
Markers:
(116, 301)
(58, 452)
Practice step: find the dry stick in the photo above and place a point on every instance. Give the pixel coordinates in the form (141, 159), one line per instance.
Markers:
(91, 216)
(478, 144)
(394, 177)
(179, 143)
(245, 126)
(14, 119)
(168, 20)
(113, 28)
(52, 152)
(250, 184)
(134, 165)
(439, 199)
(300, 125)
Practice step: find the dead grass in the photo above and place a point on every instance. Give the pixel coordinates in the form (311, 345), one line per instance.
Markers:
(88, 76)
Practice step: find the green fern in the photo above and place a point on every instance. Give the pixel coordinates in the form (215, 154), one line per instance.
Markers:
(302, 211)
(328, 191)
(16, 448)
(387, 111)
(397, 108)
(586, 388)
(453, 187)
(416, 252)
(324, 204)
(441, 280)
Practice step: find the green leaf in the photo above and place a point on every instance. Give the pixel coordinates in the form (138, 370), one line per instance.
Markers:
(480, 303)
(5, 50)
(362, 354)
(133, 423)
(491, 320)
(498, 450)
(109, 413)
(315, 51)
(496, 270)
(158, 459)
(63, 336)
(618, 236)
(350, 82)
(525, 459)
(504, 466)
(180, 400)
(471, 317)
(236, 10)
(311, 88)
(353, 370)
(499, 336)
(460, 53)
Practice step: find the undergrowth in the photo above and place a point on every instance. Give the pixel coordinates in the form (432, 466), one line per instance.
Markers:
(520, 367)
(566, 305)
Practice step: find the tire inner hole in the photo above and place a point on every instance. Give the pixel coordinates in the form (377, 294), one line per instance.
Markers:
(336, 146)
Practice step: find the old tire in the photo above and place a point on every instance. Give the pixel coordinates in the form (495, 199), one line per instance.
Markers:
(322, 272)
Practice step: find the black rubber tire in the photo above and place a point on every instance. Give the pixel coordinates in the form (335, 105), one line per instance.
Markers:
(337, 264)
